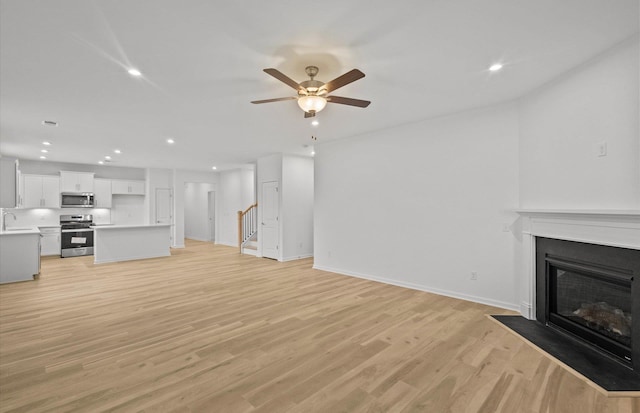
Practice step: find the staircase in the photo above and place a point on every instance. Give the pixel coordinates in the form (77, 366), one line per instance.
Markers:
(248, 230)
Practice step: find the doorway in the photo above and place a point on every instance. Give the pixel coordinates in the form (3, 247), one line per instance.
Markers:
(212, 216)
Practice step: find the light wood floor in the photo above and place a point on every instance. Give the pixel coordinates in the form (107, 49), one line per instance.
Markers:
(208, 330)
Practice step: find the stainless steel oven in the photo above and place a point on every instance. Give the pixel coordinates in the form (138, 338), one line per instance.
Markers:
(76, 235)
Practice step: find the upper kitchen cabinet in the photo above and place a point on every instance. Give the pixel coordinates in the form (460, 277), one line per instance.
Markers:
(76, 181)
(122, 187)
(8, 182)
(102, 192)
(40, 191)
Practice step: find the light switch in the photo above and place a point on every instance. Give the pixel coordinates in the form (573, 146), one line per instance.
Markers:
(602, 149)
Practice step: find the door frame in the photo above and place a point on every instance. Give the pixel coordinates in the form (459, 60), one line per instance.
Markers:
(211, 209)
(261, 206)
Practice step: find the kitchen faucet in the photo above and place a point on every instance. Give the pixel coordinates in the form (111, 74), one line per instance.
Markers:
(4, 219)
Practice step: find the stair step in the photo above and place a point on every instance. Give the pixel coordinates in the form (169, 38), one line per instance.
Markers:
(250, 247)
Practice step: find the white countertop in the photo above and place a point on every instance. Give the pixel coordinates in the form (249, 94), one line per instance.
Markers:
(20, 231)
(612, 212)
(108, 226)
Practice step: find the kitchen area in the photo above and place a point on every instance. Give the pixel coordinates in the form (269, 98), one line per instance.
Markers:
(68, 210)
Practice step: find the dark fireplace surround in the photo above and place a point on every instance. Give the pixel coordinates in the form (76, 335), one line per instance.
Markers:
(592, 293)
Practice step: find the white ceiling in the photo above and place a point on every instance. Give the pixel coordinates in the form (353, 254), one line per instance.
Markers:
(202, 61)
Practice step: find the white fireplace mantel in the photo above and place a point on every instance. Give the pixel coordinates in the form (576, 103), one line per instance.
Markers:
(616, 228)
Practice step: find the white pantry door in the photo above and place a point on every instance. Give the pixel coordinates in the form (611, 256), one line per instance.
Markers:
(270, 218)
(163, 206)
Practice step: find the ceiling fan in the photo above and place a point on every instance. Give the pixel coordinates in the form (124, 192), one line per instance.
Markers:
(313, 95)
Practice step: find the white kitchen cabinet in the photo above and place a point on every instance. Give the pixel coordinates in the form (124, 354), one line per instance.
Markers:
(51, 192)
(50, 240)
(40, 191)
(102, 193)
(76, 181)
(19, 255)
(122, 187)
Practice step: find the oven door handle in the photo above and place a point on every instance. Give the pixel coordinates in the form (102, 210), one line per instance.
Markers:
(76, 230)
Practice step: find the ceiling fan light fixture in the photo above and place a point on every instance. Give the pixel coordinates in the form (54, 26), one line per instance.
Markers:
(312, 103)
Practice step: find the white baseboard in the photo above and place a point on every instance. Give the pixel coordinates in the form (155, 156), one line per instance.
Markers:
(197, 239)
(526, 310)
(249, 252)
(419, 287)
(297, 257)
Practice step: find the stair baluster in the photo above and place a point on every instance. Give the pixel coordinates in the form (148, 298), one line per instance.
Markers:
(247, 225)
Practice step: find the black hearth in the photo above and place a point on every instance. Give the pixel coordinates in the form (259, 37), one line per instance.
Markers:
(588, 292)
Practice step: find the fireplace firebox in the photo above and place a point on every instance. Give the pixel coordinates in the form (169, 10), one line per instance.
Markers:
(592, 293)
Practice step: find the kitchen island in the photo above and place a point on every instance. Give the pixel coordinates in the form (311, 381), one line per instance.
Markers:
(19, 254)
(113, 243)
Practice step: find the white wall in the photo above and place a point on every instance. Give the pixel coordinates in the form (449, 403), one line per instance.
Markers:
(423, 205)
(561, 125)
(128, 210)
(297, 207)
(196, 210)
(237, 193)
(7, 182)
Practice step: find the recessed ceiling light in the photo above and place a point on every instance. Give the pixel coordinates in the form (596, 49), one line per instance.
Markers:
(495, 67)
(134, 72)
(49, 123)
(43, 157)
(313, 153)
(45, 143)
(44, 150)
(214, 167)
(170, 141)
(118, 151)
(101, 162)
(107, 157)
(315, 123)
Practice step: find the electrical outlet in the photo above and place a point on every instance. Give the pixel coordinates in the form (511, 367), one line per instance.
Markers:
(474, 275)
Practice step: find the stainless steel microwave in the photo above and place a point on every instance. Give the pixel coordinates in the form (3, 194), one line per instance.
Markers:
(77, 200)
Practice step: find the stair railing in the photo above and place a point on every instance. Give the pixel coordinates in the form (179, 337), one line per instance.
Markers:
(247, 225)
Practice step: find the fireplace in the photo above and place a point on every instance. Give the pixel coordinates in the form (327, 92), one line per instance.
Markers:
(588, 291)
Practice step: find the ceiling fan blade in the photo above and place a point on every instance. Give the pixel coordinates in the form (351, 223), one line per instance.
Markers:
(348, 101)
(283, 78)
(343, 80)
(310, 114)
(273, 100)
